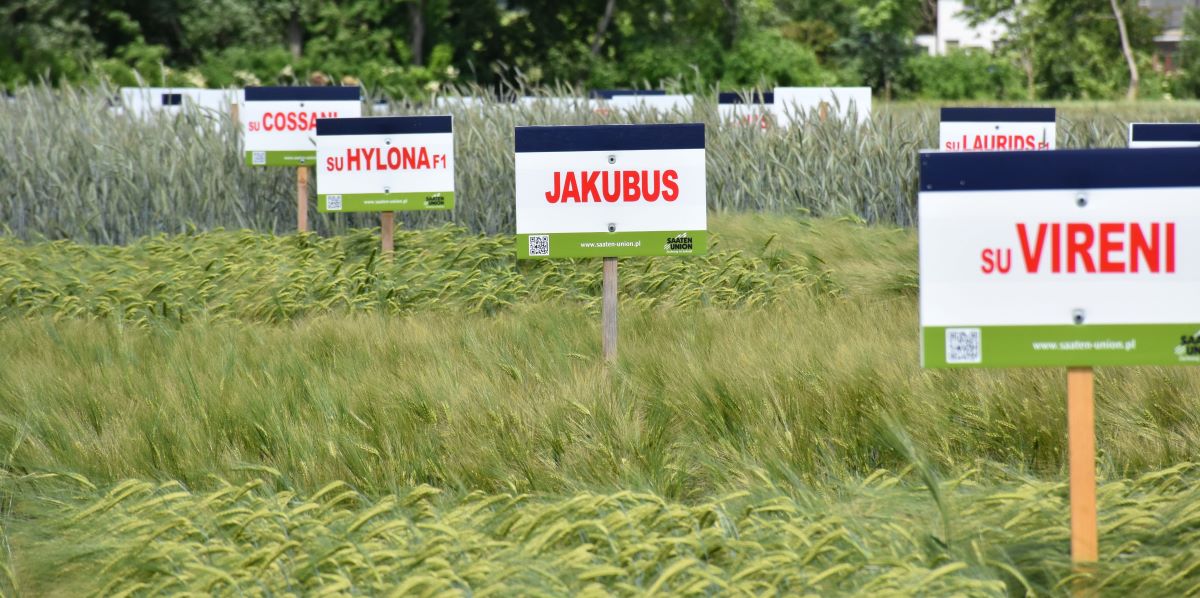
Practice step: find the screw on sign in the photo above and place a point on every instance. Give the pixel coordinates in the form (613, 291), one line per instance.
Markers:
(385, 164)
(279, 128)
(610, 191)
(1075, 259)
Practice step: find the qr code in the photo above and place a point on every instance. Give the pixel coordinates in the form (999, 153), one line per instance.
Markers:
(333, 202)
(963, 345)
(539, 245)
(258, 157)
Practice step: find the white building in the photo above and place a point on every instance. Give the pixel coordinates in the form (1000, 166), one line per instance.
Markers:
(954, 31)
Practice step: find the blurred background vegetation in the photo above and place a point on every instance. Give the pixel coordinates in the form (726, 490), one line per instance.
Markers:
(1053, 49)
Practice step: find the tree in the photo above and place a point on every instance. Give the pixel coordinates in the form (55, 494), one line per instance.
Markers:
(1070, 48)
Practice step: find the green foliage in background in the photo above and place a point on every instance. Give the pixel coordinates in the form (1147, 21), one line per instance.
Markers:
(1064, 48)
(963, 75)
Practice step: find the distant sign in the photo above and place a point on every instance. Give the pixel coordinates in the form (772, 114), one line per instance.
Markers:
(666, 104)
(279, 123)
(996, 129)
(143, 101)
(752, 109)
(799, 103)
(1064, 258)
(1147, 135)
(385, 164)
(611, 191)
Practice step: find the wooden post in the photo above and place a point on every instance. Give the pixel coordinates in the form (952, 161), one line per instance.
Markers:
(1081, 444)
(233, 114)
(302, 198)
(608, 309)
(387, 222)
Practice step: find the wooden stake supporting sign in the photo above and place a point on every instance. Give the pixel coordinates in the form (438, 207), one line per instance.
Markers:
(387, 223)
(1069, 258)
(608, 309)
(301, 198)
(1081, 448)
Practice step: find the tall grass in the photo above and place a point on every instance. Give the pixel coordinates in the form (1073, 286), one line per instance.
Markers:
(869, 536)
(804, 385)
(72, 169)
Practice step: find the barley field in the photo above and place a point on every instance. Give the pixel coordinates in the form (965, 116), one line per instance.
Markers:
(196, 400)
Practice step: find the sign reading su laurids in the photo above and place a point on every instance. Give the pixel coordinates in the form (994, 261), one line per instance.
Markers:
(385, 164)
(610, 191)
(1065, 258)
(279, 123)
(996, 129)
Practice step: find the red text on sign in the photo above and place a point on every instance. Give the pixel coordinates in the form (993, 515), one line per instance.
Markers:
(614, 185)
(1085, 247)
(996, 142)
(292, 121)
(391, 158)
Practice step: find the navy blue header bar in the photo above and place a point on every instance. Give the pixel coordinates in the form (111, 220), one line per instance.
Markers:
(1060, 169)
(384, 125)
(1165, 132)
(289, 94)
(598, 138)
(999, 115)
(607, 94)
(754, 97)
(172, 99)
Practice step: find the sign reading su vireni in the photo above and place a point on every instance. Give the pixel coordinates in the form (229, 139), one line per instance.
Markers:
(1149, 135)
(996, 129)
(385, 164)
(610, 191)
(279, 124)
(1064, 258)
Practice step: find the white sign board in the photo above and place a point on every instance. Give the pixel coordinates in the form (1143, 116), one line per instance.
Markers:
(996, 129)
(143, 101)
(611, 191)
(665, 104)
(1075, 258)
(751, 109)
(385, 164)
(800, 103)
(1148, 135)
(279, 123)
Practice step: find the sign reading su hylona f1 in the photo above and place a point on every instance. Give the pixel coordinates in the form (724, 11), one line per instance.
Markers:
(385, 164)
(996, 129)
(610, 191)
(1064, 258)
(279, 124)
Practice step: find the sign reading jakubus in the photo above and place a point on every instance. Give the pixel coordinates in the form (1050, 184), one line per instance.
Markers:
(1148, 135)
(1064, 258)
(996, 129)
(611, 191)
(385, 164)
(279, 123)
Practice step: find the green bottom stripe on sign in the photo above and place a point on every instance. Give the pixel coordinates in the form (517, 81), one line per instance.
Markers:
(385, 202)
(1038, 346)
(626, 244)
(289, 158)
